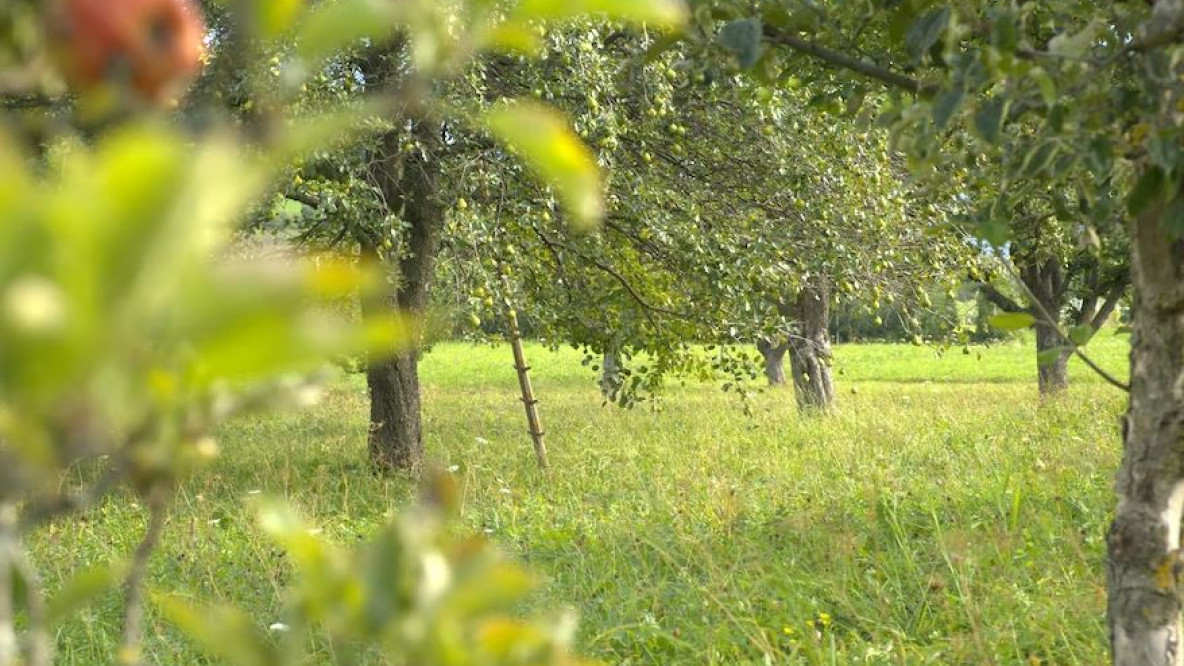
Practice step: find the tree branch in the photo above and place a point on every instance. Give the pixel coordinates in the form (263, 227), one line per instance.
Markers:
(624, 282)
(844, 61)
(306, 199)
(1001, 300)
(133, 617)
(1108, 306)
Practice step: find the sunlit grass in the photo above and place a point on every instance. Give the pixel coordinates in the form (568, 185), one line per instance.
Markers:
(944, 515)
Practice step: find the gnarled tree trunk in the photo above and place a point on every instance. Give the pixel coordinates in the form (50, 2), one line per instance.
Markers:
(1145, 565)
(810, 355)
(409, 183)
(774, 355)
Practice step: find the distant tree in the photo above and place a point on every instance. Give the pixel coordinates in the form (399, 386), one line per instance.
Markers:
(715, 194)
(1075, 97)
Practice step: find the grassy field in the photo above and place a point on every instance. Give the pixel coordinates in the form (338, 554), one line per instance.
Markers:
(943, 516)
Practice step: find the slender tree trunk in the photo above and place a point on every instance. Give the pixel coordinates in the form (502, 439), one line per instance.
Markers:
(774, 355)
(409, 184)
(810, 352)
(1053, 377)
(1145, 566)
(610, 374)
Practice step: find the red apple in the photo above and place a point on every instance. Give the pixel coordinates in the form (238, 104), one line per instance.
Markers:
(152, 48)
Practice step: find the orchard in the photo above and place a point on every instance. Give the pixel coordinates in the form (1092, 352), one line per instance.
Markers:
(821, 316)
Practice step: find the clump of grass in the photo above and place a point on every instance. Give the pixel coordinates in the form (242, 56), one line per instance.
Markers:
(944, 515)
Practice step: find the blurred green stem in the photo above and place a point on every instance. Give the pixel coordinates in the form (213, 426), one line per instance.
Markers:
(8, 646)
(133, 618)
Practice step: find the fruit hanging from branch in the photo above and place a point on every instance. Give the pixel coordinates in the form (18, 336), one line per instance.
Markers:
(148, 49)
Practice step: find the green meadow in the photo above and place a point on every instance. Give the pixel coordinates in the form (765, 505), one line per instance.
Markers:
(944, 515)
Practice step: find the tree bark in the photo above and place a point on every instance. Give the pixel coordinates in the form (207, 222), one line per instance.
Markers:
(409, 184)
(1046, 282)
(610, 375)
(1145, 567)
(774, 355)
(810, 351)
(395, 441)
(1052, 376)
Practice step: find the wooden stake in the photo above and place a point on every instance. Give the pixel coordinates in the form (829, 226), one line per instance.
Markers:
(535, 427)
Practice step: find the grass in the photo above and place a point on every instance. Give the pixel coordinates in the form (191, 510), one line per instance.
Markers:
(944, 515)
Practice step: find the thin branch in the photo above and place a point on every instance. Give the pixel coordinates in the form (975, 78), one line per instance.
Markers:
(624, 282)
(1111, 303)
(40, 651)
(37, 514)
(306, 199)
(9, 653)
(844, 61)
(1001, 300)
(133, 618)
(27, 102)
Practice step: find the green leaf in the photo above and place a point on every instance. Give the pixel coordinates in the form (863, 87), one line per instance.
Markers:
(988, 120)
(1081, 335)
(855, 101)
(1048, 87)
(1100, 154)
(1172, 221)
(224, 632)
(1004, 31)
(501, 585)
(82, 589)
(743, 38)
(334, 25)
(544, 139)
(1149, 189)
(1075, 46)
(1164, 152)
(309, 553)
(515, 37)
(1038, 159)
(1050, 356)
(946, 104)
(660, 13)
(275, 17)
(1012, 321)
(926, 31)
(994, 230)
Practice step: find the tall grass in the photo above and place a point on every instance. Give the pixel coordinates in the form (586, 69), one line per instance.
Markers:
(944, 515)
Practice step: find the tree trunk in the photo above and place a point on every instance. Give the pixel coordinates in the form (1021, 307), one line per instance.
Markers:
(774, 360)
(395, 440)
(1145, 566)
(1053, 377)
(409, 184)
(1045, 280)
(610, 375)
(810, 351)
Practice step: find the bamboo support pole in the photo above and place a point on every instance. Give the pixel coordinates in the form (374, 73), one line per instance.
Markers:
(535, 426)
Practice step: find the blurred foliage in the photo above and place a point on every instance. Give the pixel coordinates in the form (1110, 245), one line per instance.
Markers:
(129, 331)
